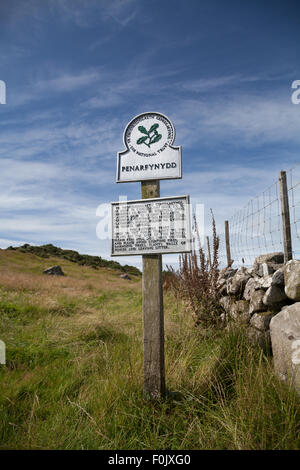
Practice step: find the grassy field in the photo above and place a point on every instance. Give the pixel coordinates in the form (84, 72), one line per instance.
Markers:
(73, 377)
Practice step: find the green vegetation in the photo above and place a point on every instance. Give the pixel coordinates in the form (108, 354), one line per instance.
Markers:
(73, 377)
(96, 262)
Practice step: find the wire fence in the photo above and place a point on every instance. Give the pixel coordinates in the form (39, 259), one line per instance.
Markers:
(257, 228)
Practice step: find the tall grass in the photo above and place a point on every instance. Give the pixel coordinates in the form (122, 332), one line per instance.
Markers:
(73, 378)
(82, 389)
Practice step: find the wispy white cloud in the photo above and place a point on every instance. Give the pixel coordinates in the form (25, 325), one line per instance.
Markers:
(84, 13)
(58, 82)
(245, 119)
(235, 80)
(69, 82)
(79, 12)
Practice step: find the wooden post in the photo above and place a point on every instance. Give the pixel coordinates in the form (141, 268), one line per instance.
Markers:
(208, 251)
(227, 241)
(285, 215)
(153, 314)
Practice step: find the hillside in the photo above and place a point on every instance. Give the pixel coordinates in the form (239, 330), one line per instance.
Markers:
(73, 375)
(96, 262)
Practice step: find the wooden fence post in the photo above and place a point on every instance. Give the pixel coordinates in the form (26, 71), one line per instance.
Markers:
(285, 215)
(227, 241)
(153, 314)
(208, 251)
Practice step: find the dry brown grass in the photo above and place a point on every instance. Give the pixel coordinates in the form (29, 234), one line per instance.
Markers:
(78, 281)
(73, 378)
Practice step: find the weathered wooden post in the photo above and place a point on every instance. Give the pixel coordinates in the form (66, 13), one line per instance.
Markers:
(285, 216)
(153, 313)
(148, 228)
(227, 241)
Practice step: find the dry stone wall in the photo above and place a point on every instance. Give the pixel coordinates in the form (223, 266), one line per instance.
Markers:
(266, 299)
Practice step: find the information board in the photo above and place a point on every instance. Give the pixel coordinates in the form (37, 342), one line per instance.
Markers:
(151, 226)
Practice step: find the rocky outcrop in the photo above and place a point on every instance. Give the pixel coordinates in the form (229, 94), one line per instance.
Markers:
(54, 271)
(125, 276)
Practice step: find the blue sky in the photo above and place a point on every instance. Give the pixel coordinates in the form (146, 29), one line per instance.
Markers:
(78, 71)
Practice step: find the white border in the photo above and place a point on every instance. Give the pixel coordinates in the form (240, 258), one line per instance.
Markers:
(127, 150)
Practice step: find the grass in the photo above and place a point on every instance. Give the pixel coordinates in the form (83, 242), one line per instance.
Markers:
(73, 378)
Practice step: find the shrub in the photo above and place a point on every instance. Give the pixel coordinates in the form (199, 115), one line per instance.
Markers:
(196, 281)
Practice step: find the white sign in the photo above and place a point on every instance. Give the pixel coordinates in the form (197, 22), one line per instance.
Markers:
(149, 153)
(151, 226)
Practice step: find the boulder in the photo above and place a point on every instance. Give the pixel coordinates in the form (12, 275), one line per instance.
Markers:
(226, 302)
(54, 271)
(268, 264)
(256, 302)
(261, 321)
(249, 288)
(125, 276)
(259, 338)
(226, 273)
(292, 279)
(256, 283)
(251, 271)
(274, 295)
(236, 284)
(264, 282)
(285, 338)
(239, 311)
(278, 278)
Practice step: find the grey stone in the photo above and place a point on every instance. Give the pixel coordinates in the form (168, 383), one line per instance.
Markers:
(273, 260)
(249, 288)
(261, 321)
(285, 338)
(264, 282)
(236, 284)
(250, 271)
(267, 269)
(278, 278)
(240, 311)
(256, 283)
(226, 302)
(274, 295)
(226, 273)
(259, 338)
(125, 276)
(54, 271)
(292, 279)
(256, 302)
(221, 286)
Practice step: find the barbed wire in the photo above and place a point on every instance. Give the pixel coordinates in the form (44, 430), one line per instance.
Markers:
(257, 228)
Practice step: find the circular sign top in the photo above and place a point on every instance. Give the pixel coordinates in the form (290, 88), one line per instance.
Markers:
(149, 134)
